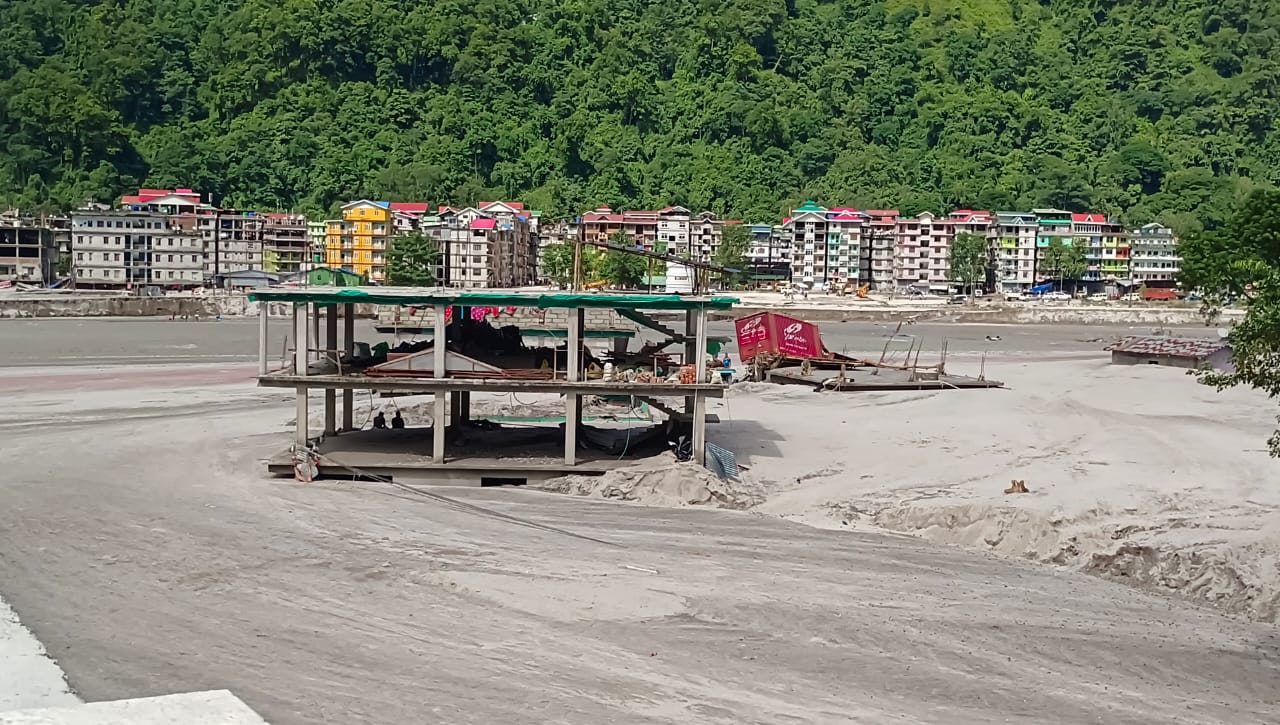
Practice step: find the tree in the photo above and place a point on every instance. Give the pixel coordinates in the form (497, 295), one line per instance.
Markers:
(557, 263)
(412, 261)
(1063, 261)
(622, 269)
(735, 240)
(968, 260)
(1253, 236)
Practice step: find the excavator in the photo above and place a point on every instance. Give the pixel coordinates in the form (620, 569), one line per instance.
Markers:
(850, 288)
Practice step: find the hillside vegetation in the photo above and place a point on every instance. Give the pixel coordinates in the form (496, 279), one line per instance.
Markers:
(1146, 108)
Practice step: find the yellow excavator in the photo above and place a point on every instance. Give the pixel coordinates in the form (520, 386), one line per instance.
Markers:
(596, 284)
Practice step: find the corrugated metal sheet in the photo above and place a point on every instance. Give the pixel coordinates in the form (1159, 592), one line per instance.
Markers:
(1170, 346)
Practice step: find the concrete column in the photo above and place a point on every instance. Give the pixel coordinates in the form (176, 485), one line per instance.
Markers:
(438, 428)
(262, 336)
(572, 410)
(690, 344)
(300, 328)
(313, 341)
(700, 399)
(699, 428)
(331, 395)
(464, 400)
(700, 346)
(349, 345)
(439, 370)
(455, 408)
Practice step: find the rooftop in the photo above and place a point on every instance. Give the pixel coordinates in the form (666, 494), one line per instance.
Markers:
(1182, 347)
(490, 298)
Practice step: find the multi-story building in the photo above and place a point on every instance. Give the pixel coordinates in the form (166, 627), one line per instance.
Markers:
(286, 246)
(232, 241)
(827, 245)
(130, 249)
(674, 230)
(315, 241)
(922, 252)
(1012, 250)
(806, 232)
(769, 255)
(28, 250)
(495, 245)
(513, 243)
(1052, 224)
(1154, 259)
(705, 233)
(600, 225)
(880, 240)
(844, 246)
(359, 241)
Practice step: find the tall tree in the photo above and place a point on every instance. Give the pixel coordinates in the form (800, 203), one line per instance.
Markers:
(735, 241)
(557, 263)
(1253, 235)
(1063, 262)
(413, 261)
(968, 260)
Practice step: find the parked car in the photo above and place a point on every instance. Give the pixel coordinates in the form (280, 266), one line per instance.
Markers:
(1014, 297)
(1098, 297)
(1056, 297)
(957, 300)
(1131, 297)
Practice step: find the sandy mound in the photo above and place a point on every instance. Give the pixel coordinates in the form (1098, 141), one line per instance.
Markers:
(1235, 571)
(660, 481)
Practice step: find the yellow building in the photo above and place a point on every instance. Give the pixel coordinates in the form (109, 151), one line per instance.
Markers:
(359, 242)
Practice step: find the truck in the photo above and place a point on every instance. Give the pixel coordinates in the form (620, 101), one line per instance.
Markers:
(1155, 294)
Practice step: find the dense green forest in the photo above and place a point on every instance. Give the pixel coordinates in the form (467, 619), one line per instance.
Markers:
(1145, 109)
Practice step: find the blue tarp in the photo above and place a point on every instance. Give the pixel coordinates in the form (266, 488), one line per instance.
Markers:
(1041, 288)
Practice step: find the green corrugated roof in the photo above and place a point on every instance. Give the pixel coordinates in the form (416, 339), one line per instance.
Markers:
(495, 298)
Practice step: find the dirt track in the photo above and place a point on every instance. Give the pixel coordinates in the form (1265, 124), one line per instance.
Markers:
(150, 556)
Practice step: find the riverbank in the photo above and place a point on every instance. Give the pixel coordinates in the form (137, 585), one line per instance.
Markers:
(815, 310)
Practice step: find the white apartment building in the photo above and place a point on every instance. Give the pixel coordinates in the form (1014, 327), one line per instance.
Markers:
(1153, 251)
(827, 245)
(704, 237)
(1012, 245)
(922, 252)
(128, 249)
(673, 231)
(806, 233)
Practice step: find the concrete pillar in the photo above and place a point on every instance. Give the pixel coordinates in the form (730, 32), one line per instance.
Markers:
(313, 340)
(439, 349)
(572, 409)
(262, 336)
(699, 399)
(349, 345)
(331, 395)
(700, 428)
(700, 345)
(440, 372)
(300, 328)
(464, 401)
(690, 344)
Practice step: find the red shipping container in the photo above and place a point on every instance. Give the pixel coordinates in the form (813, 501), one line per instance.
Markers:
(771, 332)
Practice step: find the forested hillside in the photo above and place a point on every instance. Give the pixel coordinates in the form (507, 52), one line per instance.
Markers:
(1150, 108)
